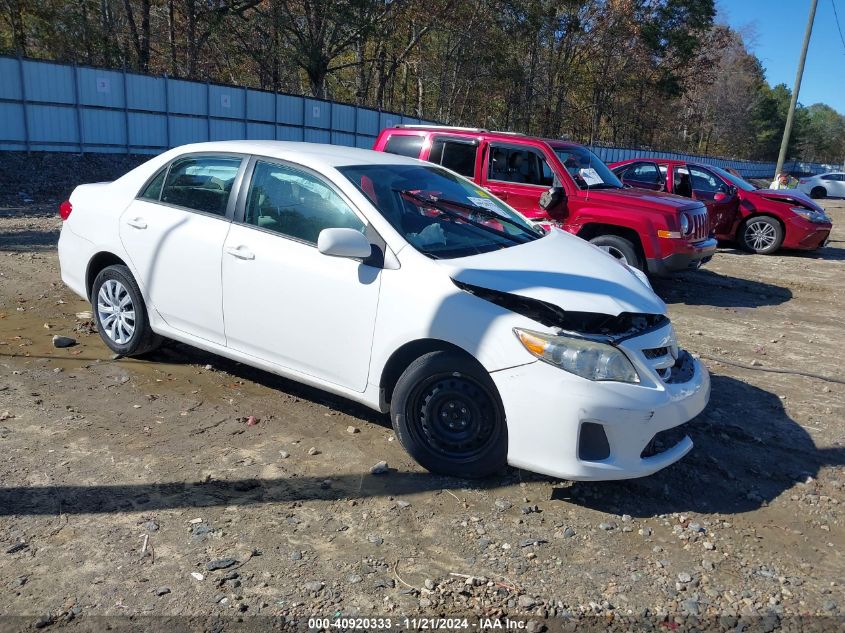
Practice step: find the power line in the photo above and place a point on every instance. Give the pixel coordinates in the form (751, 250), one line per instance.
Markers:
(839, 28)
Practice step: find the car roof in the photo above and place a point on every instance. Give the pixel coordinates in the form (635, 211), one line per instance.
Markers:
(490, 135)
(313, 155)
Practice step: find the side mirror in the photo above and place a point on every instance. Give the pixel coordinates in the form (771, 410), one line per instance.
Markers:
(344, 243)
(552, 197)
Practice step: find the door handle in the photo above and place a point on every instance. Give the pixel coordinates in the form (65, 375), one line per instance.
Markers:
(241, 252)
(137, 223)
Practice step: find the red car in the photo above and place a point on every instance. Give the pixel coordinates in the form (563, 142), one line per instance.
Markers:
(652, 231)
(759, 220)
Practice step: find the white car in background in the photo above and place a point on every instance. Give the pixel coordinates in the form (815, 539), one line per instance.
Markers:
(830, 185)
(400, 285)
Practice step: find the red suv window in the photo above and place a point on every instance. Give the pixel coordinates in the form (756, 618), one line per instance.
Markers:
(457, 155)
(405, 145)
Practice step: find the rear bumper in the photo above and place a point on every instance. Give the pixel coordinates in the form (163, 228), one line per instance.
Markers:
(686, 256)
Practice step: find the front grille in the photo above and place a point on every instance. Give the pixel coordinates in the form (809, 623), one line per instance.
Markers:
(664, 440)
(657, 352)
(700, 226)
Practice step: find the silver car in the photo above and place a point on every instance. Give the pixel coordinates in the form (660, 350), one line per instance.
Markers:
(830, 185)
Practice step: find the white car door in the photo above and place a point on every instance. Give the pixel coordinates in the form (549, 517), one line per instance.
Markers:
(174, 233)
(283, 300)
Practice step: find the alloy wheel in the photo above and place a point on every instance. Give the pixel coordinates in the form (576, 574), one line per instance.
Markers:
(760, 235)
(618, 254)
(116, 311)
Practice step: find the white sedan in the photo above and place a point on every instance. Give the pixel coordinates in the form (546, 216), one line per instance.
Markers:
(400, 285)
(831, 185)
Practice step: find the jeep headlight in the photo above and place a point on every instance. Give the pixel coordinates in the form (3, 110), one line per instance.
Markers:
(588, 359)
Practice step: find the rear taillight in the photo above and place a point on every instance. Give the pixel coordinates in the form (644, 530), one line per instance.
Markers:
(64, 209)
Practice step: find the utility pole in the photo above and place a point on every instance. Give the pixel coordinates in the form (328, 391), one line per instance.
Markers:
(791, 114)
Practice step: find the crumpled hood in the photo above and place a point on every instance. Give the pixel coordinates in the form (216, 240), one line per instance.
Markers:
(560, 269)
(789, 196)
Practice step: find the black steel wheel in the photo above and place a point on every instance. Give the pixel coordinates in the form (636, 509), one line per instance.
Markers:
(448, 416)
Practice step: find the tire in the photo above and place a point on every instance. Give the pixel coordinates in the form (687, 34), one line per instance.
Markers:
(818, 192)
(115, 286)
(761, 234)
(448, 416)
(620, 248)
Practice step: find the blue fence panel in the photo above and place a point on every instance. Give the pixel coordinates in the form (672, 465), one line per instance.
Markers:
(186, 129)
(317, 113)
(10, 86)
(147, 130)
(12, 122)
(47, 106)
(288, 133)
(187, 97)
(343, 138)
(368, 122)
(52, 124)
(146, 93)
(260, 106)
(261, 131)
(100, 87)
(50, 83)
(289, 109)
(103, 127)
(317, 136)
(226, 130)
(227, 102)
(343, 117)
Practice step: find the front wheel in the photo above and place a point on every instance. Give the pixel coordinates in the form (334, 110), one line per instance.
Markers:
(447, 414)
(620, 248)
(120, 312)
(761, 235)
(818, 192)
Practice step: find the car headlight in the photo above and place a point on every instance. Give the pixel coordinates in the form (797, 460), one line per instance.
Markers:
(588, 359)
(685, 225)
(810, 214)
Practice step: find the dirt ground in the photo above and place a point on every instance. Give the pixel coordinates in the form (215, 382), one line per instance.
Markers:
(124, 483)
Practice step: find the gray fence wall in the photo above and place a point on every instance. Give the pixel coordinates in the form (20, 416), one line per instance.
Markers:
(57, 107)
(46, 106)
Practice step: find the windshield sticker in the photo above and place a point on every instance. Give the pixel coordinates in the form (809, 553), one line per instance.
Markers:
(484, 203)
(590, 176)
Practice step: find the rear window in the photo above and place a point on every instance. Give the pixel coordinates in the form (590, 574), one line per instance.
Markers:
(405, 145)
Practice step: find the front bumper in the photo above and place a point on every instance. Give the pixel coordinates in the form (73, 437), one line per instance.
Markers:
(687, 255)
(547, 409)
(805, 235)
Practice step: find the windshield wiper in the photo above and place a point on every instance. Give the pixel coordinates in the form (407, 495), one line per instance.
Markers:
(480, 210)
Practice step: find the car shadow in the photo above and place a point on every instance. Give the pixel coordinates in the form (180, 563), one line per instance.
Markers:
(176, 353)
(829, 253)
(736, 466)
(705, 287)
(748, 452)
(29, 240)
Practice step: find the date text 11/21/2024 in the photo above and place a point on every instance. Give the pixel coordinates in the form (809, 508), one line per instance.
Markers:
(418, 624)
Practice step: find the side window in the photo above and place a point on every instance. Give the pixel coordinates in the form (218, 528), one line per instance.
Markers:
(645, 173)
(682, 184)
(153, 190)
(405, 145)
(520, 165)
(703, 181)
(296, 204)
(202, 183)
(458, 156)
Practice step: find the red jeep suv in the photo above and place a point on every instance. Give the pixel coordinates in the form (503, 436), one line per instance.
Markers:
(759, 220)
(651, 231)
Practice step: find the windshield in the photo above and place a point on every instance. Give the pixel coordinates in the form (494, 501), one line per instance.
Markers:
(734, 180)
(587, 170)
(439, 213)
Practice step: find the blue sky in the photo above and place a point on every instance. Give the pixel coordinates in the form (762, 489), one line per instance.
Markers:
(774, 30)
